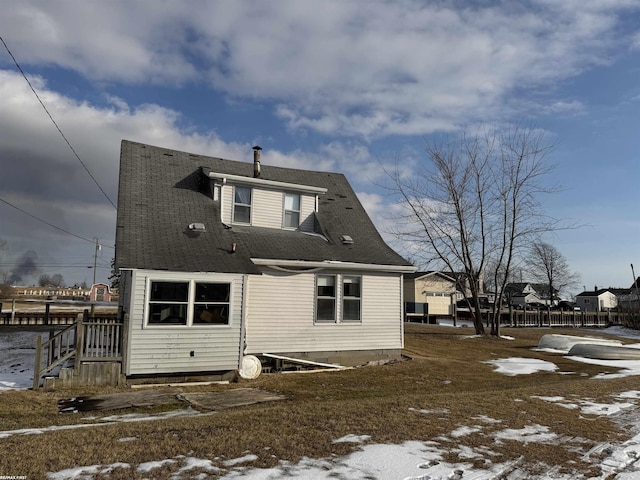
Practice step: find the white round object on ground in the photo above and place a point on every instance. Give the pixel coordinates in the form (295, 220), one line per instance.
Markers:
(250, 367)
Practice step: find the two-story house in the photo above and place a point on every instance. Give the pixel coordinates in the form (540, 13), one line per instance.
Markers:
(598, 300)
(221, 260)
(522, 294)
(430, 295)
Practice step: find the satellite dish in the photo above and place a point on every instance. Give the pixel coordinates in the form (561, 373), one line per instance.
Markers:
(250, 367)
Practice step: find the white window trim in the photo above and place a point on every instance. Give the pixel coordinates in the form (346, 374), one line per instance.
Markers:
(344, 297)
(338, 299)
(190, 304)
(233, 209)
(285, 210)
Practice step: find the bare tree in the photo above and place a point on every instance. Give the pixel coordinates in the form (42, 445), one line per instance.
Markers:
(57, 280)
(476, 203)
(115, 274)
(548, 265)
(4, 274)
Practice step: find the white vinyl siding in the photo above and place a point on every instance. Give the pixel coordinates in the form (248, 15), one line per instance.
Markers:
(157, 349)
(267, 208)
(281, 315)
(307, 209)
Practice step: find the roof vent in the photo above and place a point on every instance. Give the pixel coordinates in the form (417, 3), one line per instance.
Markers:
(346, 240)
(197, 227)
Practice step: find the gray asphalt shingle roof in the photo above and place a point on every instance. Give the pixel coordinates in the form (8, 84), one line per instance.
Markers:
(162, 191)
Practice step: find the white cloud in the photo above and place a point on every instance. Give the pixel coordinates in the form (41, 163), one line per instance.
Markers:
(635, 41)
(41, 175)
(332, 67)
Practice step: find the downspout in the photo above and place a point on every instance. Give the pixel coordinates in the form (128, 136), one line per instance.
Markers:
(220, 186)
(402, 310)
(243, 319)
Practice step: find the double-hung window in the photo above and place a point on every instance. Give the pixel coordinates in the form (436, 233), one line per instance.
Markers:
(350, 298)
(242, 205)
(188, 303)
(326, 298)
(338, 298)
(291, 210)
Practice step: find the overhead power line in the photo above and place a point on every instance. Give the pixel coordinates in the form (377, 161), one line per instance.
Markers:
(50, 224)
(56, 125)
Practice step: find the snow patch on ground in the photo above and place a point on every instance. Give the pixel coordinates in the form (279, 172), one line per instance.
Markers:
(521, 366)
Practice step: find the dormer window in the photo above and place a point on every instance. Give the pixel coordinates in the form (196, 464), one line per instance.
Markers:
(242, 205)
(291, 210)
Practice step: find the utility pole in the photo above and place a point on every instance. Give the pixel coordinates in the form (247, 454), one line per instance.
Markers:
(95, 260)
(635, 282)
(95, 264)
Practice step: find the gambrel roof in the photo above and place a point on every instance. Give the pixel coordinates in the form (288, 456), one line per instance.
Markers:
(162, 191)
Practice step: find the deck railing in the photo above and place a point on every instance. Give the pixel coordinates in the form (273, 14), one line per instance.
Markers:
(91, 339)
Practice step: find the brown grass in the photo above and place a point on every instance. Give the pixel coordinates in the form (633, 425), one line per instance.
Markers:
(446, 374)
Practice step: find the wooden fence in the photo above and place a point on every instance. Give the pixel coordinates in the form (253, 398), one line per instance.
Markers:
(543, 318)
(40, 318)
(90, 339)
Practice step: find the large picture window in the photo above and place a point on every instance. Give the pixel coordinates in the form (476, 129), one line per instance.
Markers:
(291, 210)
(242, 205)
(188, 303)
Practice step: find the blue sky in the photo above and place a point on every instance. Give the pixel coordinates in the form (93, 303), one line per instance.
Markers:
(346, 86)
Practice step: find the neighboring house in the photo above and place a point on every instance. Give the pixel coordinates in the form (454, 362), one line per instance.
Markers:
(522, 294)
(599, 300)
(220, 259)
(429, 294)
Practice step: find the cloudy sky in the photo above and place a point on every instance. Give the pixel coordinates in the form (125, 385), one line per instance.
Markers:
(344, 86)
